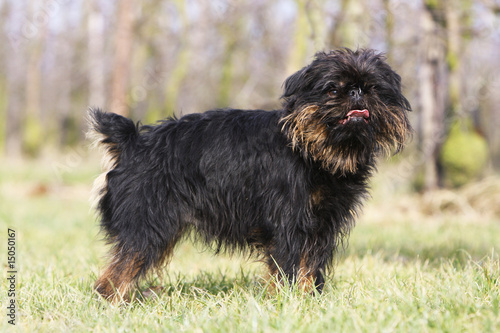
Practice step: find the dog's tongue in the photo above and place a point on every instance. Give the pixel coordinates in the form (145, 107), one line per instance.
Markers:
(363, 114)
(359, 113)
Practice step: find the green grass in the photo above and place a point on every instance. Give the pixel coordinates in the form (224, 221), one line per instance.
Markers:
(403, 271)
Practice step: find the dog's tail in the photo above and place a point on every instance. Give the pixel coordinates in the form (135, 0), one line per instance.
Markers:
(115, 135)
(113, 132)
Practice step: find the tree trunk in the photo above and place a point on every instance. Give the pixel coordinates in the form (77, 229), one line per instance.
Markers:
(231, 34)
(298, 55)
(181, 68)
(432, 84)
(122, 58)
(453, 35)
(389, 30)
(95, 28)
(352, 26)
(33, 130)
(15, 93)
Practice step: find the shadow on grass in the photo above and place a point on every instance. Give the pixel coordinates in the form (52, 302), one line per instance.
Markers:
(204, 283)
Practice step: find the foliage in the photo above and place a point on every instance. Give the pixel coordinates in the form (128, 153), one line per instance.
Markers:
(32, 136)
(464, 155)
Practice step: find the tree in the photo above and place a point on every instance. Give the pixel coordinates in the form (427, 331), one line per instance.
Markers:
(122, 58)
(432, 83)
(95, 31)
(183, 56)
(351, 25)
(33, 129)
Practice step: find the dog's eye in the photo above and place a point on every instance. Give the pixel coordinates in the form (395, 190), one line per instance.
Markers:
(332, 92)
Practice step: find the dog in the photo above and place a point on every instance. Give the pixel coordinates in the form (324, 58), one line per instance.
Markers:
(285, 185)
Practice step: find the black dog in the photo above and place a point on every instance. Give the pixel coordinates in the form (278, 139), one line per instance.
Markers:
(284, 184)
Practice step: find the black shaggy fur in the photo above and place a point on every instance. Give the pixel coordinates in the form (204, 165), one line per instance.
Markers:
(285, 184)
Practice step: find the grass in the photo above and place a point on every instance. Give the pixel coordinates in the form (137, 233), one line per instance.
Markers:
(403, 271)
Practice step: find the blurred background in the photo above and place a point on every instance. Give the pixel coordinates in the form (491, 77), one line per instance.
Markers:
(426, 245)
(152, 59)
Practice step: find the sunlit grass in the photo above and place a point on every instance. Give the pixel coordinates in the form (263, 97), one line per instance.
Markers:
(398, 273)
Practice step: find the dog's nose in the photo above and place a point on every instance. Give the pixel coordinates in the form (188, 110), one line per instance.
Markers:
(356, 93)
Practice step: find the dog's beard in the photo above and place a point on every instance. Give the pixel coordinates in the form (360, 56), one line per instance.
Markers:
(343, 141)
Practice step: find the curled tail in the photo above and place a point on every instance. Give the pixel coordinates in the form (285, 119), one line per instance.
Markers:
(115, 135)
(113, 132)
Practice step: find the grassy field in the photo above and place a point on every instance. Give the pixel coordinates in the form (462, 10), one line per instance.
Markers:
(405, 270)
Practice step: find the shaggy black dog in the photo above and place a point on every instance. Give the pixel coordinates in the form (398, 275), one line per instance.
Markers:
(284, 184)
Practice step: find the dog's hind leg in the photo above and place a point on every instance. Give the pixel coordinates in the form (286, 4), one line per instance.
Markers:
(126, 268)
(115, 284)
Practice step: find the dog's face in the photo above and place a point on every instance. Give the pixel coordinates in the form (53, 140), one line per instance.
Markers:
(344, 107)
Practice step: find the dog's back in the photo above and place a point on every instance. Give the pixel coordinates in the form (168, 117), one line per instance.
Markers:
(229, 174)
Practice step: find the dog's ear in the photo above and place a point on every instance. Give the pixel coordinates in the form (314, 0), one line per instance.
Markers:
(394, 85)
(302, 80)
(296, 82)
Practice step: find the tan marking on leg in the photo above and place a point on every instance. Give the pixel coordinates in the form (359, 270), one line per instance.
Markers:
(306, 278)
(273, 278)
(115, 284)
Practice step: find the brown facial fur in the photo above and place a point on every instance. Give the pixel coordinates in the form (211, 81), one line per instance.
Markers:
(308, 133)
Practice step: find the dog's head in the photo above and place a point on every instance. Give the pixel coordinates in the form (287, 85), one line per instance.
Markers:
(345, 107)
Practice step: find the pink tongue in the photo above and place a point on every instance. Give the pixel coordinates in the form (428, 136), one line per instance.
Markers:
(359, 113)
